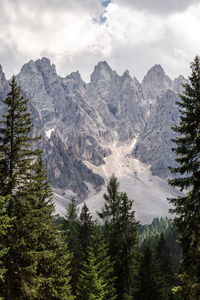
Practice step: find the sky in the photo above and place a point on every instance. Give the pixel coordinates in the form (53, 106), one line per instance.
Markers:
(77, 34)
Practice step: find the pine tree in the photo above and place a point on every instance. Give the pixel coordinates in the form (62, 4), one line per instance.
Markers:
(103, 261)
(110, 212)
(36, 260)
(162, 254)
(96, 281)
(4, 225)
(121, 234)
(187, 208)
(128, 248)
(85, 229)
(71, 229)
(16, 157)
(151, 282)
(91, 285)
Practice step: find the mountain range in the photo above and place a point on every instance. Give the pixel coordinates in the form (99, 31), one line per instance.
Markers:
(113, 124)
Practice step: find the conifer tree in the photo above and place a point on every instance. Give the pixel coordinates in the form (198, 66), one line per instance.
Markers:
(162, 254)
(187, 208)
(110, 216)
(71, 229)
(150, 280)
(127, 266)
(103, 261)
(91, 286)
(4, 225)
(16, 156)
(121, 234)
(85, 224)
(110, 212)
(96, 281)
(36, 260)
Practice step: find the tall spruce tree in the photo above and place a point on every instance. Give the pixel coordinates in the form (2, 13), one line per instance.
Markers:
(127, 266)
(85, 225)
(4, 225)
(187, 208)
(71, 231)
(162, 254)
(110, 216)
(96, 280)
(151, 284)
(121, 234)
(16, 156)
(103, 261)
(36, 260)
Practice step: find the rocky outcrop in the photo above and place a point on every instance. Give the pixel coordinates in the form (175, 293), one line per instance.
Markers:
(154, 144)
(119, 100)
(80, 123)
(65, 171)
(155, 82)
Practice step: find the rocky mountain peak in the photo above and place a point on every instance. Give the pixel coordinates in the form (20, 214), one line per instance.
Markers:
(126, 76)
(29, 67)
(47, 69)
(156, 81)
(74, 78)
(156, 69)
(178, 84)
(102, 72)
(3, 83)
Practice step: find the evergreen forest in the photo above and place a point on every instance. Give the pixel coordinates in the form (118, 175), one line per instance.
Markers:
(43, 256)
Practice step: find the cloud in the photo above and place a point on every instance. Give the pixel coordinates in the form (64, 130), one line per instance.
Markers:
(76, 34)
(159, 6)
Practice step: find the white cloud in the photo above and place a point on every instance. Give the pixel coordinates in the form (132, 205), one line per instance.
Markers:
(133, 36)
(159, 6)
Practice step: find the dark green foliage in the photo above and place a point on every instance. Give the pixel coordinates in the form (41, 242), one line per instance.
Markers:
(121, 234)
(85, 229)
(187, 208)
(126, 266)
(151, 283)
(96, 281)
(166, 267)
(16, 158)
(155, 228)
(71, 230)
(4, 225)
(103, 260)
(151, 233)
(110, 212)
(36, 259)
(91, 285)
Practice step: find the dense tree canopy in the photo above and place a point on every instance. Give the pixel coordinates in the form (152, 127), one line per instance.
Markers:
(187, 208)
(36, 259)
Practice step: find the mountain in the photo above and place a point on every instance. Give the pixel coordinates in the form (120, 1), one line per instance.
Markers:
(113, 124)
(154, 142)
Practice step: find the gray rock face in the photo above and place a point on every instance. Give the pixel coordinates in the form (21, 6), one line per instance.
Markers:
(154, 142)
(178, 84)
(4, 86)
(119, 100)
(67, 172)
(81, 123)
(155, 82)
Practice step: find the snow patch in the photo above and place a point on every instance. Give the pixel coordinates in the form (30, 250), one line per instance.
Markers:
(48, 132)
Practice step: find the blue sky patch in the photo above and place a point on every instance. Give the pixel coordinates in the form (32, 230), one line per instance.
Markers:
(105, 3)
